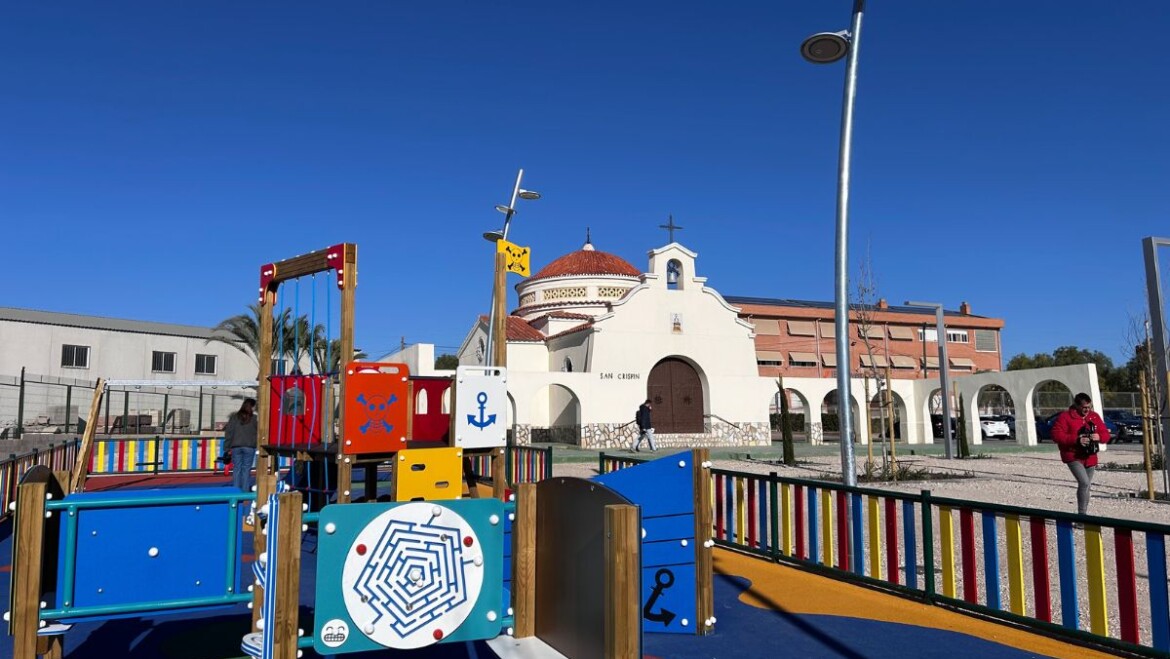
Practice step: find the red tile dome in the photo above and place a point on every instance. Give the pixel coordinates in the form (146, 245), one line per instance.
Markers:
(587, 261)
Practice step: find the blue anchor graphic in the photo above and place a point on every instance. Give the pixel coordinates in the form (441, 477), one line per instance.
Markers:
(482, 422)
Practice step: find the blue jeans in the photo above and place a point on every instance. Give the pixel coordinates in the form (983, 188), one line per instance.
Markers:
(242, 460)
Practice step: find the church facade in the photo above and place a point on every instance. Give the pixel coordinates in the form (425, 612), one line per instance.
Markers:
(593, 337)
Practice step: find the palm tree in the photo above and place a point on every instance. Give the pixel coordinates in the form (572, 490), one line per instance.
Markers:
(242, 332)
(327, 355)
(294, 340)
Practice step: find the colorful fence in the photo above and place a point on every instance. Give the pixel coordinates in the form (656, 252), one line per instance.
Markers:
(155, 454)
(58, 457)
(1080, 576)
(522, 464)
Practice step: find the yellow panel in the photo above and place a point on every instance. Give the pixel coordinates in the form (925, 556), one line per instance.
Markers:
(946, 531)
(827, 527)
(1015, 556)
(875, 540)
(786, 518)
(1095, 569)
(428, 474)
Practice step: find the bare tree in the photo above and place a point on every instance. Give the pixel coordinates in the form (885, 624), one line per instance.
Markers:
(864, 307)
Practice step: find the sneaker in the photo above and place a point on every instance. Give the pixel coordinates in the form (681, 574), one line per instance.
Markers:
(636, 450)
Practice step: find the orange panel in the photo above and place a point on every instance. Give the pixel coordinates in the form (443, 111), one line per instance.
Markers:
(375, 408)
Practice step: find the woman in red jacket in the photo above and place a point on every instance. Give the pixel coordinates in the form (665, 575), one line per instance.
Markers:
(1078, 431)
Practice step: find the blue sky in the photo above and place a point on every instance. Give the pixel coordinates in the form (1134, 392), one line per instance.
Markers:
(154, 154)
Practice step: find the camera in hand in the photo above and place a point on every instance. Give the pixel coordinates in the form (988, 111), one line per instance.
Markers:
(1083, 450)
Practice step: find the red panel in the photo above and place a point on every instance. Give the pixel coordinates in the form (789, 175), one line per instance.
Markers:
(375, 408)
(967, 541)
(798, 518)
(843, 529)
(1127, 604)
(433, 425)
(1040, 583)
(295, 412)
(892, 563)
(335, 258)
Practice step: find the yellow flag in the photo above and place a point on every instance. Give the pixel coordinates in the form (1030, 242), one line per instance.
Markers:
(515, 257)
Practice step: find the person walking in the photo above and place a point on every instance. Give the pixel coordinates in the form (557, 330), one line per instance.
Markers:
(1079, 432)
(240, 442)
(645, 426)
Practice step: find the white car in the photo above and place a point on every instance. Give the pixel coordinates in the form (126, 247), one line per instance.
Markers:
(994, 427)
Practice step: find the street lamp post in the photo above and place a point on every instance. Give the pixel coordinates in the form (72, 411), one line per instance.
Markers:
(942, 369)
(825, 48)
(497, 321)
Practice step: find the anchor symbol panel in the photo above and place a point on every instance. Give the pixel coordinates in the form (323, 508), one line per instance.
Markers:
(481, 406)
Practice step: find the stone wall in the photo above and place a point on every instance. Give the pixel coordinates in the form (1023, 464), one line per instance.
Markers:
(616, 436)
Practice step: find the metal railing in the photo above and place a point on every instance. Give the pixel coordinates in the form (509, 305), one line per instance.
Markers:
(1056, 580)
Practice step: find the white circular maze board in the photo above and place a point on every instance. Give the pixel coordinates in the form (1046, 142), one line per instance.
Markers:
(412, 576)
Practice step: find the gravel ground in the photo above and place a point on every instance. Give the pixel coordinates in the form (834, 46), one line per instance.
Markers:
(1027, 478)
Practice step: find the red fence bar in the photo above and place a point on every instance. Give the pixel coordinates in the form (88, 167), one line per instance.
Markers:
(967, 541)
(798, 518)
(842, 530)
(1040, 567)
(1127, 605)
(892, 562)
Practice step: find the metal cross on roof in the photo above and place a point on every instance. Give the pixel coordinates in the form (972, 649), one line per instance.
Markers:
(670, 226)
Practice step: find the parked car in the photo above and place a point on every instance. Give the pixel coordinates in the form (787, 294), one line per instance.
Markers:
(936, 423)
(994, 427)
(1044, 426)
(1127, 426)
(1010, 420)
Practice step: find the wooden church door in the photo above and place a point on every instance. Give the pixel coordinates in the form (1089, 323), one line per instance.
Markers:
(676, 394)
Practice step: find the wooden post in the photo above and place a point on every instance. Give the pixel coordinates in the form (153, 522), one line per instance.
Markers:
(27, 555)
(524, 561)
(623, 582)
(265, 462)
(500, 298)
(704, 585)
(287, 576)
(348, 301)
(50, 647)
(1147, 428)
(499, 477)
(76, 483)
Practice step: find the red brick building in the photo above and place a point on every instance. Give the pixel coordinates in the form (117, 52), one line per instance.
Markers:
(797, 338)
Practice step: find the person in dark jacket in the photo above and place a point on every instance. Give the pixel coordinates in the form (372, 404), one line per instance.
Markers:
(240, 442)
(645, 426)
(1078, 432)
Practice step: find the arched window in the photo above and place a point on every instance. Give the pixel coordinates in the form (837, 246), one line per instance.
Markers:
(673, 274)
(567, 366)
(445, 406)
(420, 402)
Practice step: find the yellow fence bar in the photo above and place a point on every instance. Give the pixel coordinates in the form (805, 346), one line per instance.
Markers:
(875, 540)
(786, 518)
(1015, 558)
(827, 526)
(946, 531)
(1095, 571)
(740, 512)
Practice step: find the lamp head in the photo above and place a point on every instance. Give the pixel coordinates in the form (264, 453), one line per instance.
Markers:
(493, 236)
(504, 209)
(531, 195)
(826, 47)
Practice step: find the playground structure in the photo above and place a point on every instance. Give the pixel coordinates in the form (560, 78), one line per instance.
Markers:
(421, 567)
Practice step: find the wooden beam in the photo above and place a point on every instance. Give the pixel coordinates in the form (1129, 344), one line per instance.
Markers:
(704, 579)
(623, 582)
(265, 473)
(500, 299)
(305, 264)
(499, 478)
(50, 647)
(348, 304)
(287, 576)
(81, 467)
(27, 556)
(524, 561)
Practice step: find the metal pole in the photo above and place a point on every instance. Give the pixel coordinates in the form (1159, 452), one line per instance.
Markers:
(1158, 324)
(841, 307)
(20, 408)
(489, 351)
(942, 379)
(68, 406)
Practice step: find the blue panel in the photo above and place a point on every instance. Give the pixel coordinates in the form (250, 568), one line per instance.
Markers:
(1069, 615)
(765, 538)
(673, 610)
(1159, 604)
(668, 552)
(150, 553)
(429, 545)
(660, 487)
(990, 561)
(814, 533)
(668, 528)
(858, 558)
